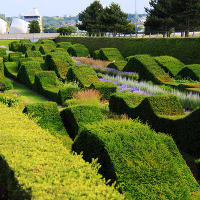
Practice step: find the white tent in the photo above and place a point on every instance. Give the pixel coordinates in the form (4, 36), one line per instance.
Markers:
(18, 26)
(3, 26)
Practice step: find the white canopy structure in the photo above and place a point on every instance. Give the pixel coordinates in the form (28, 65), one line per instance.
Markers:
(3, 27)
(18, 26)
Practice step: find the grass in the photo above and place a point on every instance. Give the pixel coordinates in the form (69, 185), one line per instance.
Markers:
(6, 42)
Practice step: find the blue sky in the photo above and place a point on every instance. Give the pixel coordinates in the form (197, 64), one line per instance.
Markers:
(64, 7)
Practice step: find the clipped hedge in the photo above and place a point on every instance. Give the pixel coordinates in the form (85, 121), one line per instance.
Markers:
(2, 52)
(84, 75)
(75, 117)
(96, 55)
(26, 73)
(5, 84)
(31, 53)
(1, 68)
(35, 47)
(119, 65)
(49, 116)
(11, 69)
(64, 45)
(36, 165)
(25, 47)
(46, 42)
(171, 65)
(60, 62)
(10, 100)
(145, 164)
(148, 69)
(46, 48)
(14, 57)
(184, 49)
(190, 71)
(110, 54)
(14, 46)
(78, 50)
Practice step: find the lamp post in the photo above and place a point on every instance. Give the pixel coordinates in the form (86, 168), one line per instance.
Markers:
(136, 18)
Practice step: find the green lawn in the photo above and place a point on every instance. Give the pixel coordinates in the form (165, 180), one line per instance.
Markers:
(5, 42)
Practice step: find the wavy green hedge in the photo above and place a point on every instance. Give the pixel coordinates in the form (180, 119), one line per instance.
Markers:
(64, 45)
(145, 164)
(78, 50)
(14, 57)
(31, 53)
(117, 65)
(2, 52)
(11, 69)
(110, 54)
(35, 165)
(46, 48)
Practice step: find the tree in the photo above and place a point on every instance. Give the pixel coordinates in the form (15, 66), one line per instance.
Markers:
(50, 30)
(114, 20)
(34, 27)
(91, 18)
(65, 30)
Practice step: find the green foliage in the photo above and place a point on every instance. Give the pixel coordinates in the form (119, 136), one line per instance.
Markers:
(14, 57)
(11, 100)
(47, 42)
(75, 117)
(46, 48)
(64, 45)
(25, 46)
(26, 73)
(65, 30)
(11, 69)
(1, 68)
(110, 54)
(39, 166)
(61, 50)
(170, 64)
(67, 92)
(48, 116)
(2, 52)
(31, 53)
(147, 68)
(84, 75)
(96, 55)
(5, 58)
(60, 62)
(5, 84)
(190, 71)
(117, 65)
(78, 50)
(14, 46)
(34, 26)
(145, 164)
(184, 49)
(36, 47)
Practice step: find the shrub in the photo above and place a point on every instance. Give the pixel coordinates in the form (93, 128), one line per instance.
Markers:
(31, 53)
(14, 57)
(5, 84)
(1, 68)
(59, 50)
(119, 65)
(145, 164)
(41, 167)
(147, 68)
(11, 69)
(11, 100)
(45, 48)
(2, 52)
(84, 75)
(25, 47)
(96, 55)
(170, 64)
(110, 54)
(26, 73)
(60, 62)
(5, 58)
(66, 92)
(190, 71)
(64, 45)
(75, 117)
(35, 47)
(47, 42)
(78, 50)
(49, 116)
(14, 46)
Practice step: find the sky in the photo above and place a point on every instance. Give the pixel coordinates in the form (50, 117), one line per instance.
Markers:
(64, 7)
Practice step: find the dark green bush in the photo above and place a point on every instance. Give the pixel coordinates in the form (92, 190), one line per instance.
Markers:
(59, 50)
(1, 68)
(96, 55)
(191, 72)
(46, 48)
(60, 62)
(14, 46)
(5, 84)
(49, 116)
(75, 117)
(31, 53)
(78, 50)
(145, 164)
(64, 45)
(26, 73)
(14, 57)
(117, 65)
(110, 54)
(147, 68)
(35, 47)
(5, 58)
(170, 64)
(25, 47)
(46, 42)
(67, 91)
(2, 52)
(84, 75)
(11, 69)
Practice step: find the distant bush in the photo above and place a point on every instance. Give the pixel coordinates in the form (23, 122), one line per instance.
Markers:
(78, 50)
(110, 54)
(31, 53)
(64, 45)
(145, 164)
(5, 84)
(117, 65)
(2, 52)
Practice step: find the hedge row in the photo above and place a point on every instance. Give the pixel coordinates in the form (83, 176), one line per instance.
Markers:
(78, 50)
(185, 49)
(2, 52)
(119, 65)
(64, 45)
(31, 53)
(165, 114)
(36, 165)
(145, 164)
(11, 69)
(46, 42)
(1, 68)
(46, 48)
(14, 57)
(110, 54)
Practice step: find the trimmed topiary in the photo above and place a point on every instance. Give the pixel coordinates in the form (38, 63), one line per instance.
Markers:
(75, 117)
(46, 42)
(170, 64)
(1, 68)
(31, 53)
(191, 72)
(25, 47)
(2, 52)
(119, 65)
(144, 164)
(60, 62)
(14, 57)
(64, 45)
(35, 47)
(45, 48)
(84, 75)
(11, 69)
(10, 100)
(96, 55)
(5, 84)
(78, 50)
(59, 50)
(148, 69)
(14, 46)
(110, 54)
(26, 73)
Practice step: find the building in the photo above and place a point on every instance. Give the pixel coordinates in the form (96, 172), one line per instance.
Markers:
(33, 15)
(18, 26)
(3, 26)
